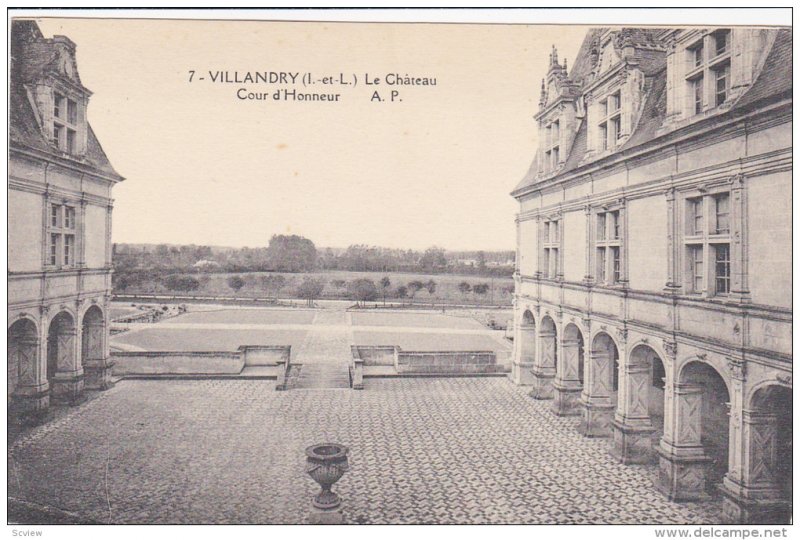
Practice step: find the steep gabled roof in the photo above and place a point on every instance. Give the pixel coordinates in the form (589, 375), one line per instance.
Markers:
(33, 56)
(773, 81)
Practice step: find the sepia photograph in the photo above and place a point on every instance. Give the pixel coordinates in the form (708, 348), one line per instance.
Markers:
(400, 267)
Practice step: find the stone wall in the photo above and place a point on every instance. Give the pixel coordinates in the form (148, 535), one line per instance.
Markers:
(265, 355)
(448, 363)
(203, 362)
(177, 363)
(377, 355)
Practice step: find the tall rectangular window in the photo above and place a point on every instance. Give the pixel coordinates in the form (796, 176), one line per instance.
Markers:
(696, 267)
(721, 84)
(722, 269)
(69, 217)
(721, 41)
(616, 132)
(697, 85)
(708, 72)
(615, 265)
(72, 112)
(697, 55)
(53, 251)
(603, 137)
(601, 265)
(58, 106)
(615, 224)
(695, 224)
(722, 204)
(71, 141)
(555, 157)
(61, 224)
(554, 258)
(55, 215)
(601, 226)
(57, 130)
(69, 246)
(614, 102)
(546, 262)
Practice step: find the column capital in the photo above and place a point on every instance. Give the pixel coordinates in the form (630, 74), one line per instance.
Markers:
(737, 368)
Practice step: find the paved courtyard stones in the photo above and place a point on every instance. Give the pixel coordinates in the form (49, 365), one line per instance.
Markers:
(421, 451)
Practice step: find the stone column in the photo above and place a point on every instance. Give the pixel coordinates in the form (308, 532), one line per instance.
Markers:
(67, 384)
(632, 428)
(567, 386)
(682, 460)
(595, 402)
(30, 401)
(740, 289)
(544, 367)
(525, 350)
(95, 359)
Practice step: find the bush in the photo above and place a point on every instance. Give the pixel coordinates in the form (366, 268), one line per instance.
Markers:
(179, 282)
(362, 290)
(310, 289)
(235, 283)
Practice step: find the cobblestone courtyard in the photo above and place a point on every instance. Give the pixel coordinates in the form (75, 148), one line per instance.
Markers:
(459, 450)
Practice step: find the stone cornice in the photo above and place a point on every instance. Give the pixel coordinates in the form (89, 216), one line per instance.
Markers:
(39, 155)
(703, 127)
(776, 161)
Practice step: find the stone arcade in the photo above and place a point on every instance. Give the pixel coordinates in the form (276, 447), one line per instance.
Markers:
(654, 258)
(59, 236)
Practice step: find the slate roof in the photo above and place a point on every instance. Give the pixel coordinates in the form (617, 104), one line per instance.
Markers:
(773, 81)
(775, 78)
(33, 56)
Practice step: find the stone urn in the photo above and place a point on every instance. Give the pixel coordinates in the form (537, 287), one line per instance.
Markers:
(326, 463)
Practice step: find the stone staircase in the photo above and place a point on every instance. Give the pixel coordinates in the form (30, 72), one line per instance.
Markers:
(324, 357)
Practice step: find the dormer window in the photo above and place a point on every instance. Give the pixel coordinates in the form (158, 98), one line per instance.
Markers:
(721, 41)
(708, 62)
(610, 128)
(551, 146)
(697, 54)
(65, 123)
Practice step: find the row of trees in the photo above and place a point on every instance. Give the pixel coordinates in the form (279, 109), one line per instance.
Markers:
(292, 253)
(309, 288)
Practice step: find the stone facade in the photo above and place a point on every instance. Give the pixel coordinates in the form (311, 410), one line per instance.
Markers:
(59, 230)
(654, 257)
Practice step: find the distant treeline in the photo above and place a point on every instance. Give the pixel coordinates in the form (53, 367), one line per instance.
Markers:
(293, 253)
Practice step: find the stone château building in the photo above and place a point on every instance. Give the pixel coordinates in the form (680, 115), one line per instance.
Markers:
(59, 230)
(653, 281)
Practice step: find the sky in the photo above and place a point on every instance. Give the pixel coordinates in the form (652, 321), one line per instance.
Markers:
(433, 167)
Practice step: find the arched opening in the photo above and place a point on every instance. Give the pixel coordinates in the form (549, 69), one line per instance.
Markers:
(569, 373)
(768, 457)
(527, 338)
(60, 345)
(703, 419)
(92, 337)
(23, 347)
(600, 389)
(639, 421)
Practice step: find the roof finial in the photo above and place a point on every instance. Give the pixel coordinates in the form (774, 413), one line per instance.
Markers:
(565, 63)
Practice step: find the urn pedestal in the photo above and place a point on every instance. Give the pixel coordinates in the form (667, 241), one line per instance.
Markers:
(326, 463)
